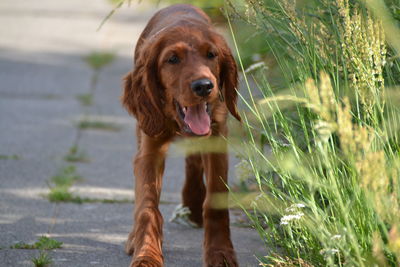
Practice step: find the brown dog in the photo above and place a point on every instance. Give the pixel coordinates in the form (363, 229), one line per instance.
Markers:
(183, 84)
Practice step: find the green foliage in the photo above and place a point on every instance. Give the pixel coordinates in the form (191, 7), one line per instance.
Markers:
(98, 125)
(61, 183)
(212, 7)
(323, 142)
(16, 157)
(47, 243)
(43, 260)
(76, 155)
(66, 177)
(44, 243)
(251, 43)
(60, 186)
(62, 194)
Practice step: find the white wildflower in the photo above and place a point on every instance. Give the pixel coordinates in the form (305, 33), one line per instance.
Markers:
(327, 252)
(292, 217)
(294, 207)
(336, 237)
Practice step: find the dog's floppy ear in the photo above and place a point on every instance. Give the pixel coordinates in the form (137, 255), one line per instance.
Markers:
(229, 79)
(143, 94)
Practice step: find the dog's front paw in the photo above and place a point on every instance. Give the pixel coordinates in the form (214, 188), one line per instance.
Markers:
(145, 262)
(220, 258)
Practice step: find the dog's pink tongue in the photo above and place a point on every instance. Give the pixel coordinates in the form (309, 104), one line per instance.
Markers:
(197, 119)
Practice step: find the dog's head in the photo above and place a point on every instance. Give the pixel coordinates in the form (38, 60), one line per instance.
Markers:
(183, 74)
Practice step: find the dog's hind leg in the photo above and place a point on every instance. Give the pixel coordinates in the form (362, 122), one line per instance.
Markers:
(194, 191)
(218, 247)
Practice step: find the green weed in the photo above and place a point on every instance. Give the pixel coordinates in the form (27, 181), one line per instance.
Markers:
(97, 60)
(75, 155)
(60, 186)
(98, 125)
(66, 177)
(62, 194)
(15, 157)
(43, 260)
(47, 243)
(44, 243)
(85, 99)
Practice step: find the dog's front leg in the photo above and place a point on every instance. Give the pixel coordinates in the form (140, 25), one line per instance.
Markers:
(218, 248)
(145, 241)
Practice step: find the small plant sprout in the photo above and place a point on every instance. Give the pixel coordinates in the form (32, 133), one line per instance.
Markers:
(95, 124)
(97, 60)
(43, 260)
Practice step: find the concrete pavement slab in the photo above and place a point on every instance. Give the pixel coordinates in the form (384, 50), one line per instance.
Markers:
(94, 234)
(51, 76)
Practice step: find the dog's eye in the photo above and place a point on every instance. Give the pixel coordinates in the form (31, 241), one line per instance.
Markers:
(173, 60)
(211, 55)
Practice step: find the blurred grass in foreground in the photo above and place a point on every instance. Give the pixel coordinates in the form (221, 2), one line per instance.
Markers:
(323, 143)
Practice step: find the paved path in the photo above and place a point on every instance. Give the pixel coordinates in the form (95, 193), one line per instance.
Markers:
(42, 44)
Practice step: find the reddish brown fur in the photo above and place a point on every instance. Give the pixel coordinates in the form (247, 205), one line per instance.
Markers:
(149, 94)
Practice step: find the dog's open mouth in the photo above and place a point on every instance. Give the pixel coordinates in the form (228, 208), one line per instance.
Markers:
(196, 118)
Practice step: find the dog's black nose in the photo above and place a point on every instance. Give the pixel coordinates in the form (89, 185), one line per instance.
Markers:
(202, 87)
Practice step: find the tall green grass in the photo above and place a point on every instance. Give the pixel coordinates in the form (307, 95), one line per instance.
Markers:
(323, 141)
